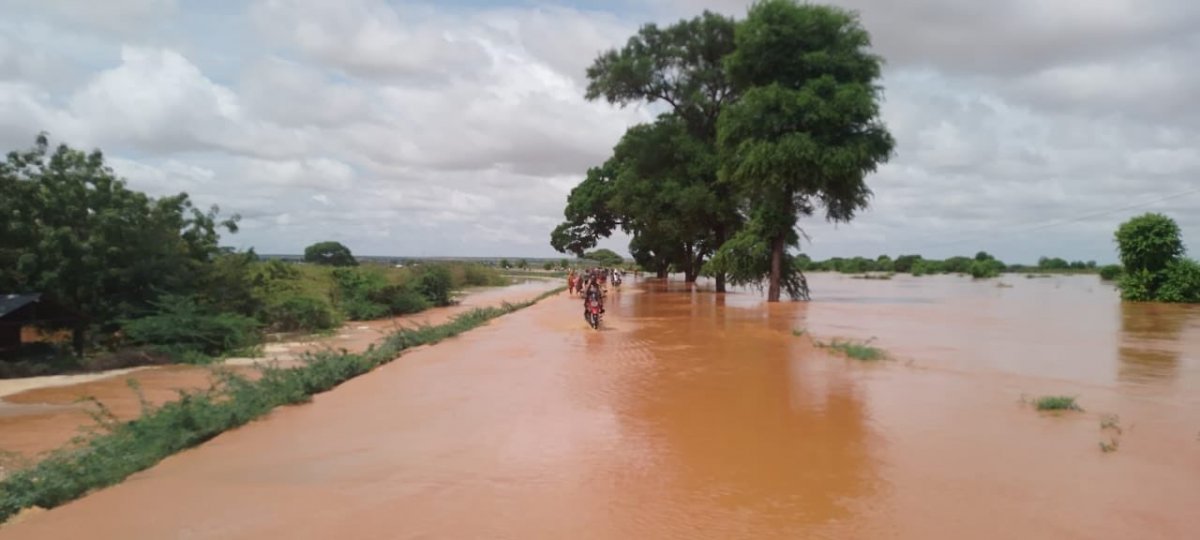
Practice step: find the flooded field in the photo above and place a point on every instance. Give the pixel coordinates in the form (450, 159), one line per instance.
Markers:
(696, 415)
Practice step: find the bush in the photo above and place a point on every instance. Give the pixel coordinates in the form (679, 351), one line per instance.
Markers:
(1138, 285)
(475, 275)
(400, 299)
(181, 328)
(981, 269)
(301, 312)
(1181, 282)
(435, 285)
(1111, 272)
(1149, 242)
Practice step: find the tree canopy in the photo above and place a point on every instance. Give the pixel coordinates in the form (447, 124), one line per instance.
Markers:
(1151, 250)
(767, 120)
(606, 257)
(329, 253)
(806, 130)
(661, 184)
(71, 230)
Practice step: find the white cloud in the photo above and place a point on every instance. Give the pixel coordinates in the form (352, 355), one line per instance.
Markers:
(402, 128)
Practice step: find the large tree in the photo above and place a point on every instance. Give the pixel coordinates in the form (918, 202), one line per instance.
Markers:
(71, 230)
(329, 253)
(806, 130)
(679, 66)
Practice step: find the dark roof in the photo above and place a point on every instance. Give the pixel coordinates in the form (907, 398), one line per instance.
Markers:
(12, 302)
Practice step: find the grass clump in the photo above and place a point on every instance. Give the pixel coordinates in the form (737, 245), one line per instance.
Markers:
(1057, 403)
(856, 350)
(119, 449)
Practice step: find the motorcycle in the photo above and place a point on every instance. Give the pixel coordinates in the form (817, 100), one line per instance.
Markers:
(592, 314)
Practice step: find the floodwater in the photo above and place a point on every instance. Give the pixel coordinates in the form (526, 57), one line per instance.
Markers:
(44, 413)
(695, 415)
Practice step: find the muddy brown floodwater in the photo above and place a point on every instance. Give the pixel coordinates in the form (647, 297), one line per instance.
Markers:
(695, 415)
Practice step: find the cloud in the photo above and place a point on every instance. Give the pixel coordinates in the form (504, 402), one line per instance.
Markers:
(435, 129)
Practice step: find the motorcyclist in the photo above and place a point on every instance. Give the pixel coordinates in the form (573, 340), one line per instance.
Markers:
(592, 293)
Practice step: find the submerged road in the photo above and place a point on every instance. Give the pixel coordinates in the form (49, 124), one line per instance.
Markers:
(685, 417)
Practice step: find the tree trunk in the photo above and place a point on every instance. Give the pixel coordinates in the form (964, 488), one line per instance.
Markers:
(662, 272)
(689, 268)
(776, 268)
(720, 276)
(77, 338)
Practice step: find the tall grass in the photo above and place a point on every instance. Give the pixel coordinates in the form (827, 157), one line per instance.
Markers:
(120, 449)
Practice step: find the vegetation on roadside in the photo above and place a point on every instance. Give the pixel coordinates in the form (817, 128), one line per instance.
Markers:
(855, 349)
(1152, 254)
(140, 280)
(123, 448)
(1056, 403)
(982, 266)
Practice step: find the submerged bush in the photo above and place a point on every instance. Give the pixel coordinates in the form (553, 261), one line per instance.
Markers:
(1057, 403)
(988, 268)
(1180, 282)
(1151, 250)
(1111, 272)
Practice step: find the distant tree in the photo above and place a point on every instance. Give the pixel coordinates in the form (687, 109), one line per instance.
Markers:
(523, 264)
(904, 263)
(505, 264)
(330, 254)
(1055, 263)
(983, 256)
(806, 130)
(548, 266)
(563, 264)
(605, 257)
(884, 264)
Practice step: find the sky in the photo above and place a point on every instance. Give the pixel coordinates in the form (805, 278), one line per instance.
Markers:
(457, 128)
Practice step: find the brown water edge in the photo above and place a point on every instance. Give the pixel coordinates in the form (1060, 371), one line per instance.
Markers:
(691, 415)
(42, 419)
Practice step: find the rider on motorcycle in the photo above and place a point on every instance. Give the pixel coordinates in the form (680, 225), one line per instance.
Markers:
(592, 294)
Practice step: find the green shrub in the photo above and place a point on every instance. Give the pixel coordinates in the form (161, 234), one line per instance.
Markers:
(400, 299)
(1057, 403)
(435, 284)
(986, 269)
(1138, 285)
(1180, 282)
(1110, 272)
(301, 312)
(180, 327)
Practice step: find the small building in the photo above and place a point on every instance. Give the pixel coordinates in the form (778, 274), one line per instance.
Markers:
(20, 312)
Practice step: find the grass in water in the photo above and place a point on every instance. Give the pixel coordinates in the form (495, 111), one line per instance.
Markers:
(1110, 446)
(858, 351)
(798, 332)
(117, 449)
(1057, 403)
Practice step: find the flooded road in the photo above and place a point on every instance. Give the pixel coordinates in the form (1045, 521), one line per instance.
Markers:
(695, 415)
(43, 413)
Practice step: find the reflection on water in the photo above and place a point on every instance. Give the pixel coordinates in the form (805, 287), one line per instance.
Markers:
(1152, 340)
(759, 440)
